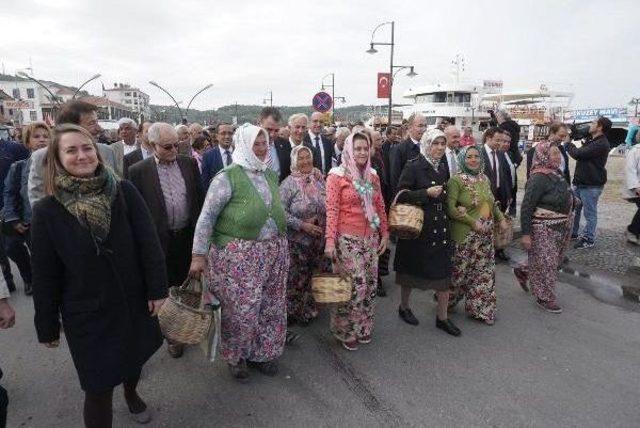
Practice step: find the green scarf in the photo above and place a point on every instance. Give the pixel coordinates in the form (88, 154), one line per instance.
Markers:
(462, 164)
(88, 199)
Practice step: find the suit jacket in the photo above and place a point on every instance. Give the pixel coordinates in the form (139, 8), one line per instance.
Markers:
(118, 152)
(283, 148)
(327, 144)
(512, 127)
(566, 173)
(502, 193)
(144, 175)
(399, 154)
(130, 159)
(36, 171)
(211, 165)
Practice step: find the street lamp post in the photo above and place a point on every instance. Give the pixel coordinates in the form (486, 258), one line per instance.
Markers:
(391, 44)
(170, 96)
(333, 92)
(82, 86)
(270, 99)
(192, 98)
(54, 98)
(636, 101)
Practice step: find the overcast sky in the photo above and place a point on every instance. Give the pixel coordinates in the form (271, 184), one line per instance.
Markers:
(246, 48)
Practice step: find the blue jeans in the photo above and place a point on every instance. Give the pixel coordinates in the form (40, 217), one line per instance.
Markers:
(589, 196)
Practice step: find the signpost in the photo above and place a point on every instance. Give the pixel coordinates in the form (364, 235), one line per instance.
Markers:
(322, 102)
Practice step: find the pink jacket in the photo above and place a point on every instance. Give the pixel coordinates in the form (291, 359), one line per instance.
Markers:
(345, 215)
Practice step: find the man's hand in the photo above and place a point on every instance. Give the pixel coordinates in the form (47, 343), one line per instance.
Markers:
(7, 315)
(20, 228)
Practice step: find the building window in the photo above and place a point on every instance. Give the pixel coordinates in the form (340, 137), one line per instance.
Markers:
(127, 101)
(127, 94)
(16, 93)
(135, 95)
(33, 115)
(31, 93)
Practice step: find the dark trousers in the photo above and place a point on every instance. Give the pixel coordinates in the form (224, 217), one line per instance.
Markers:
(178, 255)
(17, 250)
(4, 264)
(634, 227)
(4, 403)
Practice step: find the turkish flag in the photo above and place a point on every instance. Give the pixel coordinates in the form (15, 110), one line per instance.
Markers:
(384, 85)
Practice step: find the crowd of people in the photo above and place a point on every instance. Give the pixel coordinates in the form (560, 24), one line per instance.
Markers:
(99, 232)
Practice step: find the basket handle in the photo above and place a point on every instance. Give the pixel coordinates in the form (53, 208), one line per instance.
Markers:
(395, 200)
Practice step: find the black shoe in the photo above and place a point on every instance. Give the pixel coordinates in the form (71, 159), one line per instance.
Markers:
(268, 368)
(239, 371)
(583, 244)
(448, 327)
(407, 316)
(28, 290)
(291, 337)
(500, 254)
(381, 291)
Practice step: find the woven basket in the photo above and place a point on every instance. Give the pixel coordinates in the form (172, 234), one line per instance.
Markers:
(405, 220)
(503, 239)
(331, 288)
(182, 317)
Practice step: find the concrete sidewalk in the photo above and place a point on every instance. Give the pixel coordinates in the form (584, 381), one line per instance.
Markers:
(531, 369)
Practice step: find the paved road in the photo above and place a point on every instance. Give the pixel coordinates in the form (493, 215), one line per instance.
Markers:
(531, 369)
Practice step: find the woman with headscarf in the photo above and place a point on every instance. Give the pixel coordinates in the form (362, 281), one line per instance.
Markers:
(546, 223)
(241, 237)
(425, 262)
(356, 235)
(473, 211)
(303, 198)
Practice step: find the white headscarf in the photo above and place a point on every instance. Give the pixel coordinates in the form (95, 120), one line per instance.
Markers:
(243, 154)
(425, 145)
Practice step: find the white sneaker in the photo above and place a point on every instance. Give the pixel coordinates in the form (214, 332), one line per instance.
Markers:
(631, 238)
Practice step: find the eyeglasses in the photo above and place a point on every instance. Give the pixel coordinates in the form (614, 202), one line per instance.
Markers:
(169, 146)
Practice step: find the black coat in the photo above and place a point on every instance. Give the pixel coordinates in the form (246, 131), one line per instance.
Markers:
(283, 148)
(428, 256)
(399, 155)
(101, 291)
(512, 127)
(130, 159)
(504, 192)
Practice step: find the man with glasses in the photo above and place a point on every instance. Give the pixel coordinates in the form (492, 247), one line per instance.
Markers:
(170, 185)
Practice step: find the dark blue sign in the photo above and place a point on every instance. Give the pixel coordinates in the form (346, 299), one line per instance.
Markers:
(322, 102)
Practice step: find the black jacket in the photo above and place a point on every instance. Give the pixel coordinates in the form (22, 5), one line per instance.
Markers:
(130, 159)
(399, 155)
(428, 256)
(327, 144)
(101, 290)
(591, 160)
(504, 192)
(566, 173)
(283, 148)
(512, 127)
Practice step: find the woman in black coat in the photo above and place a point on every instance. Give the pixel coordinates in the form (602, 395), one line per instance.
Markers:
(425, 262)
(98, 265)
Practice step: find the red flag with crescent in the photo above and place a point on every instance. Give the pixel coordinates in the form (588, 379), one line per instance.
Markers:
(384, 85)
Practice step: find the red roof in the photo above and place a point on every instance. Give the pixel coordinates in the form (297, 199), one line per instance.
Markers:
(104, 102)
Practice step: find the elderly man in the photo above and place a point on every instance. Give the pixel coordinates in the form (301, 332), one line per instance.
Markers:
(184, 140)
(78, 113)
(341, 135)
(220, 156)
(452, 135)
(170, 185)
(322, 147)
(279, 150)
(127, 129)
(298, 127)
(142, 152)
(408, 149)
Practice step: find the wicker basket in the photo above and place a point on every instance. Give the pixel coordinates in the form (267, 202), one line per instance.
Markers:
(331, 288)
(503, 239)
(405, 220)
(183, 317)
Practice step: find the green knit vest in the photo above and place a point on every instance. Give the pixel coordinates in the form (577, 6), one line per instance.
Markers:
(246, 213)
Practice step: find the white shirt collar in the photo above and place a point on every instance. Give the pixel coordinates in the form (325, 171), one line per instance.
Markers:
(224, 150)
(313, 136)
(293, 144)
(414, 141)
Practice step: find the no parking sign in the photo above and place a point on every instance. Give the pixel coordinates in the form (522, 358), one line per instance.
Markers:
(322, 102)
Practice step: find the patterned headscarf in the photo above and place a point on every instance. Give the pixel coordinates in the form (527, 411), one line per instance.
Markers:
(361, 178)
(310, 183)
(542, 162)
(462, 162)
(425, 145)
(243, 155)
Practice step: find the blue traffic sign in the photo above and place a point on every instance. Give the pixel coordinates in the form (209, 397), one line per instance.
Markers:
(322, 102)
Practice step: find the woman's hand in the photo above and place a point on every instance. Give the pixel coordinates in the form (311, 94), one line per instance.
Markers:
(53, 344)
(20, 228)
(478, 226)
(330, 252)
(198, 263)
(384, 243)
(7, 314)
(526, 242)
(434, 191)
(504, 226)
(154, 306)
(462, 211)
(312, 229)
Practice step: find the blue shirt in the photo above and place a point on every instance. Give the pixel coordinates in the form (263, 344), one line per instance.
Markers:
(631, 135)
(9, 153)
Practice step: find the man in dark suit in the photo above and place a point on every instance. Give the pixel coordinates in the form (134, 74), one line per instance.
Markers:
(558, 133)
(141, 153)
(279, 148)
(170, 185)
(400, 153)
(219, 156)
(321, 146)
(496, 170)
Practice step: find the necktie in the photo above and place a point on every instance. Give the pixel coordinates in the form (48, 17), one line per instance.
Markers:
(495, 168)
(227, 155)
(317, 153)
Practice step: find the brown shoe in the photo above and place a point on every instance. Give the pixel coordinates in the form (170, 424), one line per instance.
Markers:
(175, 350)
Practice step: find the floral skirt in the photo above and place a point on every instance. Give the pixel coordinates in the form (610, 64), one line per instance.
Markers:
(305, 260)
(473, 275)
(249, 278)
(358, 257)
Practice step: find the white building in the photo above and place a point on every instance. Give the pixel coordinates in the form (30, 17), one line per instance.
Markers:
(129, 96)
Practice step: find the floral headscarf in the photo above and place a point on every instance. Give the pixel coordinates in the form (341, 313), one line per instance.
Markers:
(243, 155)
(362, 179)
(542, 162)
(425, 145)
(462, 162)
(310, 183)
